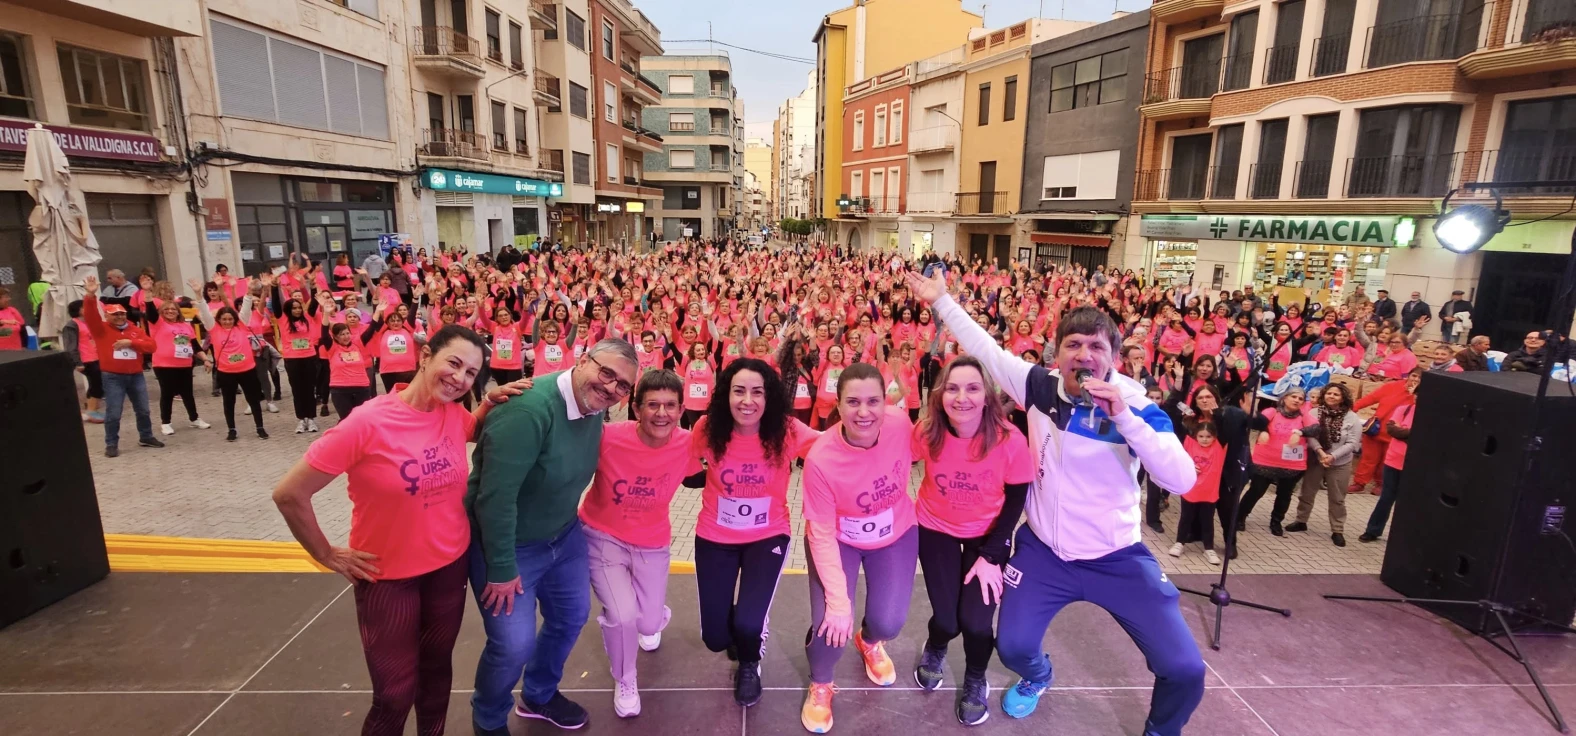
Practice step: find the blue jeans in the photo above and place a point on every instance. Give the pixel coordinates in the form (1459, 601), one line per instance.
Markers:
(1389, 489)
(1129, 585)
(117, 388)
(556, 575)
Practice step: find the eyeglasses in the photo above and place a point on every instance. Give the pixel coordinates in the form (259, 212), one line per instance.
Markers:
(620, 386)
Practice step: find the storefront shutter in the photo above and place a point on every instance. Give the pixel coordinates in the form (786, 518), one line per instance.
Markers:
(344, 109)
(453, 199)
(298, 82)
(240, 57)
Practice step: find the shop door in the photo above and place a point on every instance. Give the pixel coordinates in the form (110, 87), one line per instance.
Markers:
(18, 267)
(324, 233)
(1514, 294)
(127, 233)
(979, 246)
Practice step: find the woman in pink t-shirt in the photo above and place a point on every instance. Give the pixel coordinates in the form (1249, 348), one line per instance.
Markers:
(639, 466)
(748, 440)
(393, 342)
(235, 364)
(857, 513)
(405, 455)
(976, 479)
(174, 356)
(1280, 456)
(699, 373)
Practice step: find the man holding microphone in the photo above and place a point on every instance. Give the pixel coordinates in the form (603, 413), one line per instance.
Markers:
(1090, 429)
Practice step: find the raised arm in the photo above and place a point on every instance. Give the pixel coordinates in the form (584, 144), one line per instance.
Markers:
(1007, 370)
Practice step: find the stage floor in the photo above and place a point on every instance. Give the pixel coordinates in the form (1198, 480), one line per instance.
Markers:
(241, 654)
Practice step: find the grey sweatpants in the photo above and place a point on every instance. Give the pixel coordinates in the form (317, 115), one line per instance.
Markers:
(889, 583)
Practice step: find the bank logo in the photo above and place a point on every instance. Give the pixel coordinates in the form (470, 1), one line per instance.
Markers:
(1218, 227)
(437, 180)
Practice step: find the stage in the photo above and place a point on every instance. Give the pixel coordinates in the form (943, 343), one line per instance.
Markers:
(157, 654)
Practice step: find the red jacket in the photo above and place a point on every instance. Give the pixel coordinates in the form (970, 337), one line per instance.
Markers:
(106, 336)
(1389, 397)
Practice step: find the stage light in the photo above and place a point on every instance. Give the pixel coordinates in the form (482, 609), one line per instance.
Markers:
(1469, 227)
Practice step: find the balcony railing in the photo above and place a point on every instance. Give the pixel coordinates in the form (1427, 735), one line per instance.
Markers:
(676, 127)
(1425, 38)
(648, 84)
(1236, 71)
(1223, 182)
(630, 126)
(981, 203)
(454, 143)
(1312, 179)
(934, 138)
(1182, 82)
(1519, 165)
(548, 90)
(552, 160)
(1280, 64)
(444, 41)
(544, 16)
(1399, 176)
(633, 181)
(628, 67)
(1546, 20)
(1264, 180)
(1329, 54)
(872, 206)
(649, 134)
(941, 202)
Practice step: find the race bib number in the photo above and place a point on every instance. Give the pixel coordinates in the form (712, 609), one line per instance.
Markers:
(893, 389)
(553, 353)
(1277, 365)
(1241, 365)
(124, 354)
(235, 357)
(504, 348)
(733, 350)
(744, 513)
(397, 344)
(300, 343)
(1338, 359)
(865, 529)
(1294, 452)
(579, 351)
(698, 391)
(831, 381)
(350, 356)
(183, 346)
(802, 391)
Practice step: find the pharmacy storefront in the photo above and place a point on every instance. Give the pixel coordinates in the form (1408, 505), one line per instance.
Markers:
(1323, 256)
(482, 212)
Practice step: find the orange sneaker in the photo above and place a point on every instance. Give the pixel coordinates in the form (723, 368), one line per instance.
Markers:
(878, 666)
(816, 715)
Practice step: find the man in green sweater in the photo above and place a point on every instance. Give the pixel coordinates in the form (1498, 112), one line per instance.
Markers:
(534, 457)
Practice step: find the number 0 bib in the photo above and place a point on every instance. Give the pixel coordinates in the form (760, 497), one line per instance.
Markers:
(744, 513)
(1293, 452)
(865, 529)
(698, 391)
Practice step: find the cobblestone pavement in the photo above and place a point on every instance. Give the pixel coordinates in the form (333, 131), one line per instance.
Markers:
(201, 486)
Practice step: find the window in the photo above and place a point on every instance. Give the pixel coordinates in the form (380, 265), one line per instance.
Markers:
(894, 187)
(610, 163)
(106, 90)
(1093, 81)
(1189, 166)
(1081, 175)
(1539, 141)
(610, 102)
(516, 46)
(682, 158)
(984, 104)
(575, 29)
(856, 185)
(500, 126)
(579, 106)
(681, 84)
(494, 38)
(681, 122)
(1406, 151)
(1318, 156)
(1228, 159)
(607, 40)
(897, 123)
(1280, 62)
(1330, 49)
(521, 145)
(1272, 157)
(877, 189)
(1009, 99)
(582, 168)
(859, 130)
(881, 127)
(14, 98)
(1239, 51)
(313, 89)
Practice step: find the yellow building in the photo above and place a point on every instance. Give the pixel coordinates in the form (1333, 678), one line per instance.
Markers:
(867, 37)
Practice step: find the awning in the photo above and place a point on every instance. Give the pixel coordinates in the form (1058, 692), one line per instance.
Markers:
(1086, 241)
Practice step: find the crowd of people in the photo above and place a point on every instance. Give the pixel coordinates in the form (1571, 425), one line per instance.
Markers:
(734, 365)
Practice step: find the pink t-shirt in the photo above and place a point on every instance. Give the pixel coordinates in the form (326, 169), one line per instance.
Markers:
(347, 365)
(396, 349)
(746, 498)
(299, 343)
(699, 381)
(232, 349)
(634, 484)
(1347, 357)
(1282, 449)
(407, 473)
(962, 496)
(508, 351)
(12, 328)
(175, 344)
(1395, 452)
(863, 492)
(1395, 365)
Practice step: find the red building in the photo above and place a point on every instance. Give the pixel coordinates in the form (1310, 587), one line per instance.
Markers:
(875, 159)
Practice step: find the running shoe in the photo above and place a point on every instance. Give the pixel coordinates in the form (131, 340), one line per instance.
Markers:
(1021, 699)
(1176, 550)
(150, 442)
(928, 673)
(200, 424)
(166, 429)
(262, 433)
(311, 425)
(650, 643)
(816, 715)
(559, 711)
(878, 666)
(230, 437)
(246, 409)
(301, 427)
(747, 684)
(95, 417)
(1211, 557)
(626, 698)
(974, 706)
(273, 408)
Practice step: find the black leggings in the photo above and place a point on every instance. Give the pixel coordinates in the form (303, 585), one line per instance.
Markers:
(175, 382)
(1285, 489)
(954, 607)
(322, 381)
(690, 417)
(389, 379)
(347, 398)
(505, 375)
(738, 624)
(303, 385)
(246, 382)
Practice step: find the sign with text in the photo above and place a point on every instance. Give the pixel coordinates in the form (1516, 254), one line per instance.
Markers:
(448, 180)
(85, 142)
(1321, 230)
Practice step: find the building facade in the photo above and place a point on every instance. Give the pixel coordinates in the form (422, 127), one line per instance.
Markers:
(1081, 141)
(563, 87)
(1307, 146)
(874, 172)
(795, 153)
(696, 166)
(623, 36)
(758, 158)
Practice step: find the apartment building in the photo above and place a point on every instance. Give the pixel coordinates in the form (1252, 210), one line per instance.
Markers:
(795, 153)
(100, 75)
(623, 36)
(696, 168)
(854, 43)
(563, 42)
(1081, 141)
(1307, 145)
(934, 144)
(874, 161)
(758, 157)
(740, 200)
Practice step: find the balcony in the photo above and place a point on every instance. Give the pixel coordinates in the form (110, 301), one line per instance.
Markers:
(1223, 182)
(551, 161)
(547, 90)
(679, 127)
(1280, 64)
(981, 203)
(1236, 71)
(1172, 12)
(1311, 179)
(544, 17)
(1425, 38)
(934, 139)
(446, 53)
(932, 202)
(1541, 38)
(1151, 185)
(1399, 176)
(866, 206)
(146, 18)
(1329, 54)
(453, 144)
(1180, 92)
(1264, 180)
(1520, 165)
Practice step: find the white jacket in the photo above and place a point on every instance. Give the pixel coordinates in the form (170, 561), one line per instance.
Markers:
(1084, 502)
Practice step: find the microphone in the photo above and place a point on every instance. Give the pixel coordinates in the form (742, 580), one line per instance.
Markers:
(1084, 374)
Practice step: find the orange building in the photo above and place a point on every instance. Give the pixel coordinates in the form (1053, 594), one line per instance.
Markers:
(875, 160)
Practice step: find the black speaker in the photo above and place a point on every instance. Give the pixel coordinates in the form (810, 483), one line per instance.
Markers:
(1468, 525)
(51, 539)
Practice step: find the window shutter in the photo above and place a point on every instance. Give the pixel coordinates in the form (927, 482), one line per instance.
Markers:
(374, 103)
(241, 64)
(344, 111)
(298, 80)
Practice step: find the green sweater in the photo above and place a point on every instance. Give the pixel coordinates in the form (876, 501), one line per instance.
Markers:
(530, 466)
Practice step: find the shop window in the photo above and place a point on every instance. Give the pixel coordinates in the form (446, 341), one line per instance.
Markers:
(263, 232)
(319, 191)
(15, 99)
(104, 90)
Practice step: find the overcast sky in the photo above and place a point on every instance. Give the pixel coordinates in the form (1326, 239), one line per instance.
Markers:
(785, 27)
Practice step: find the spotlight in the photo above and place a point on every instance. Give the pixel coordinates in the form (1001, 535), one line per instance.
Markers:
(1468, 227)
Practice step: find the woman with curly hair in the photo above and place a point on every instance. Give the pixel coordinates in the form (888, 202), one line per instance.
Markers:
(1334, 444)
